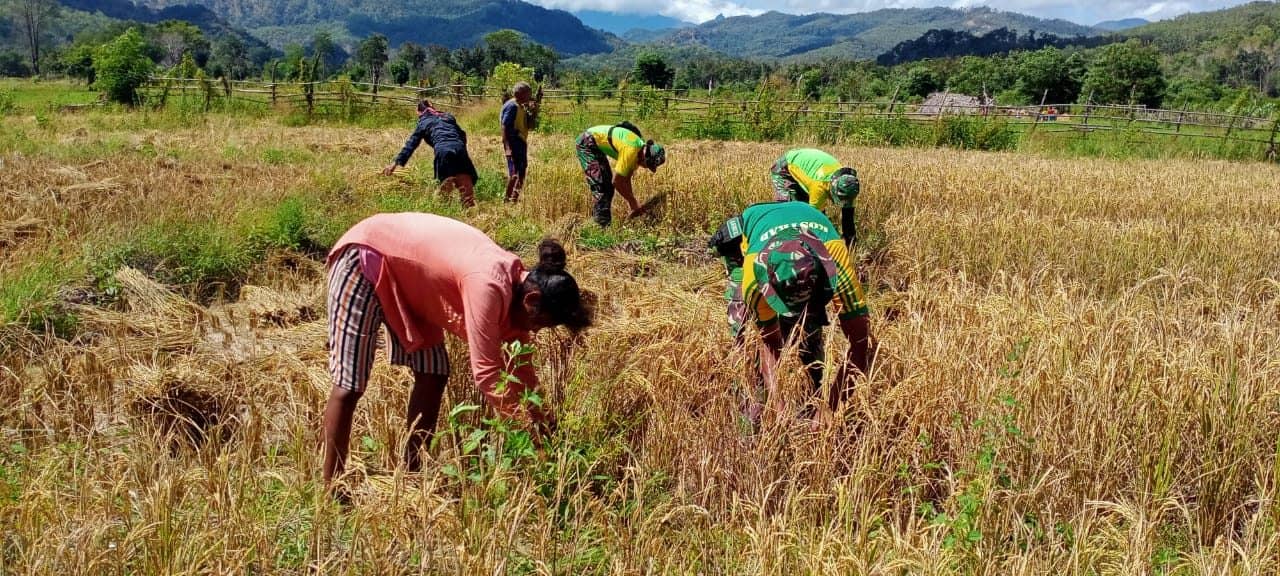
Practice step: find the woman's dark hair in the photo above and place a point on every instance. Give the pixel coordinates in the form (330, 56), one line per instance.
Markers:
(423, 105)
(561, 300)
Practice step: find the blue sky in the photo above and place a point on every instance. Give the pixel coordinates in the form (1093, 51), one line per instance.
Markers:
(1082, 11)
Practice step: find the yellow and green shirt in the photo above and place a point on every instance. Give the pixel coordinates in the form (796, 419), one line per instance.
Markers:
(515, 121)
(625, 147)
(771, 221)
(813, 169)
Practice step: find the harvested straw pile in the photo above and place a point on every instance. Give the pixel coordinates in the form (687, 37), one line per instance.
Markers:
(150, 317)
(14, 231)
(186, 403)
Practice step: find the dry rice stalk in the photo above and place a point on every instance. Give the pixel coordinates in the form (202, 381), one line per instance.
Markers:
(182, 400)
(70, 173)
(148, 297)
(153, 318)
(15, 230)
(266, 306)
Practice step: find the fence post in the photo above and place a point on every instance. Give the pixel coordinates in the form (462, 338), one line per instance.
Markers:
(1036, 120)
(1133, 114)
(164, 93)
(1271, 147)
(1177, 129)
(1088, 101)
(937, 118)
(893, 100)
(1227, 136)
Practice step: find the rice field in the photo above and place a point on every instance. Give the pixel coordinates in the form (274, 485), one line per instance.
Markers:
(1077, 372)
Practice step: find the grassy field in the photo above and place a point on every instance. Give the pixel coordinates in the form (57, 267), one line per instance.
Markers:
(1077, 368)
(34, 95)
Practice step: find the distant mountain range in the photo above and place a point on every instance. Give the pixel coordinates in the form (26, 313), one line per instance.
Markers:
(452, 23)
(456, 23)
(200, 16)
(1118, 25)
(625, 24)
(603, 38)
(860, 35)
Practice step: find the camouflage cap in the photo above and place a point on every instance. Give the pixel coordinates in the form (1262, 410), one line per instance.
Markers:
(655, 155)
(789, 272)
(845, 185)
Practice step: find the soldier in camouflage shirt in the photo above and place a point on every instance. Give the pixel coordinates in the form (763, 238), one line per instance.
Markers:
(786, 263)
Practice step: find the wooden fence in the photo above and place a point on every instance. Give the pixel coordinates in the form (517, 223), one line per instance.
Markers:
(1080, 119)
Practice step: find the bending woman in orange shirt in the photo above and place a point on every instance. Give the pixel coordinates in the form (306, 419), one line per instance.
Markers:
(422, 275)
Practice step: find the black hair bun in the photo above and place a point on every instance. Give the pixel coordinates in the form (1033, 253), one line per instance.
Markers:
(551, 256)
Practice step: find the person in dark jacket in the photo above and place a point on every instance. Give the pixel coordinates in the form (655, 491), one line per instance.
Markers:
(453, 167)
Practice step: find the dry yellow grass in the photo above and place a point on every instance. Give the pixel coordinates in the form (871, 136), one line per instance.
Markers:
(1077, 374)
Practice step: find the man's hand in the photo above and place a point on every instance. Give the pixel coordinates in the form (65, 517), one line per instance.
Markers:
(636, 212)
(858, 331)
(771, 344)
(622, 184)
(858, 360)
(390, 169)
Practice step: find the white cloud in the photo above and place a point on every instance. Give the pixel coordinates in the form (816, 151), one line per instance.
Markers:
(1082, 11)
(687, 10)
(1162, 10)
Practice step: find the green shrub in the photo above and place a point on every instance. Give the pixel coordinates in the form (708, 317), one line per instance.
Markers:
(283, 156)
(204, 258)
(518, 233)
(8, 104)
(596, 238)
(716, 125)
(30, 297)
(492, 185)
(424, 198)
(295, 119)
(285, 226)
(974, 133)
(122, 66)
(506, 74)
(996, 134)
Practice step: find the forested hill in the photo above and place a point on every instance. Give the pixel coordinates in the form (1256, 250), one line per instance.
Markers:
(95, 21)
(861, 35)
(452, 23)
(954, 43)
(1205, 32)
(199, 16)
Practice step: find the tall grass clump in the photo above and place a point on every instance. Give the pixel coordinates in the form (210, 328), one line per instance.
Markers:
(8, 103)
